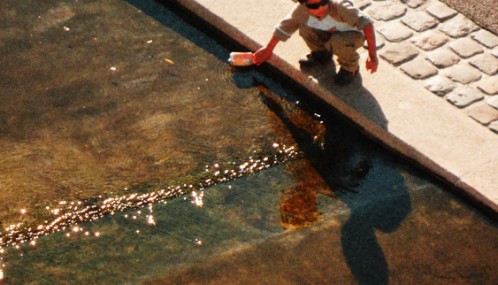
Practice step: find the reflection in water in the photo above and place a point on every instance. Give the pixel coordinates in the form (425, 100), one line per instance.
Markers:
(338, 168)
(298, 204)
(298, 207)
(163, 113)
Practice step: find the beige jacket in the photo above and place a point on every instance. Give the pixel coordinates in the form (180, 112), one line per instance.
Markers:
(343, 16)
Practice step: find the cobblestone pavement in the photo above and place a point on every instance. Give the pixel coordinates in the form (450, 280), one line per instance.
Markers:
(449, 54)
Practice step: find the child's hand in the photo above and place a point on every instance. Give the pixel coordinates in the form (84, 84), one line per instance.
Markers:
(262, 55)
(372, 64)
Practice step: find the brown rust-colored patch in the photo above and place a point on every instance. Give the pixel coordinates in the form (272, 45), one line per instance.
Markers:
(298, 207)
(303, 170)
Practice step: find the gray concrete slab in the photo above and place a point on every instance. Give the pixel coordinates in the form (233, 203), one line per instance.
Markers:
(389, 105)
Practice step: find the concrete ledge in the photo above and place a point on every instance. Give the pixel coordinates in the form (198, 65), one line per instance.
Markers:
(388, 105)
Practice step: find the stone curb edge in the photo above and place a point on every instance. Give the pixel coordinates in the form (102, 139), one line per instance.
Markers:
(368, 127)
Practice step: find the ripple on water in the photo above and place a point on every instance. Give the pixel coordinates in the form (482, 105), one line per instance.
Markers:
(73, 213)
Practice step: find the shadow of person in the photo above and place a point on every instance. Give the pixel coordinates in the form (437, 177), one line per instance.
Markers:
(354, 95)
(340, 162)
(381, 203)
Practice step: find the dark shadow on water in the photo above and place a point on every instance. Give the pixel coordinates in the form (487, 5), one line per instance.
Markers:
(373, 190)
(171, 15)
(381, 203)
(381, 207)
(350, 165)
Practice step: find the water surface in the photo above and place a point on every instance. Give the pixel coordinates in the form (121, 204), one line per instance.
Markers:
(132, 153)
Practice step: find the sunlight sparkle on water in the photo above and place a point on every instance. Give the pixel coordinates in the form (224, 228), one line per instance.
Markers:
(70, 214)
(150, 220)
(197, 198)
(198, 242)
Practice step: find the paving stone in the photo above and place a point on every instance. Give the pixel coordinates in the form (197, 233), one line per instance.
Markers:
(419, 21)
(483, 113)
(419, 68)
(493, 102)
(485, 63)
(386, 11)
(463, 97)
(495, 52)
(399, 53)
(441, 11)
(466, 47)
(462, 73)
(458, 26)
(494, 126)
(395, 32)
(442, 57)
(413, 3)
(362, 4)
(439, 85)
(486, 38)
(379, 42)
(489, 85)
(430, 40)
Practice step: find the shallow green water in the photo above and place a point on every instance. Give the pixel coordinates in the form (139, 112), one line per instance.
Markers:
(133, 154)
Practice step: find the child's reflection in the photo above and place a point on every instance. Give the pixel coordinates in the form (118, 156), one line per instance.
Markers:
(327, 170)
(334, 165)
